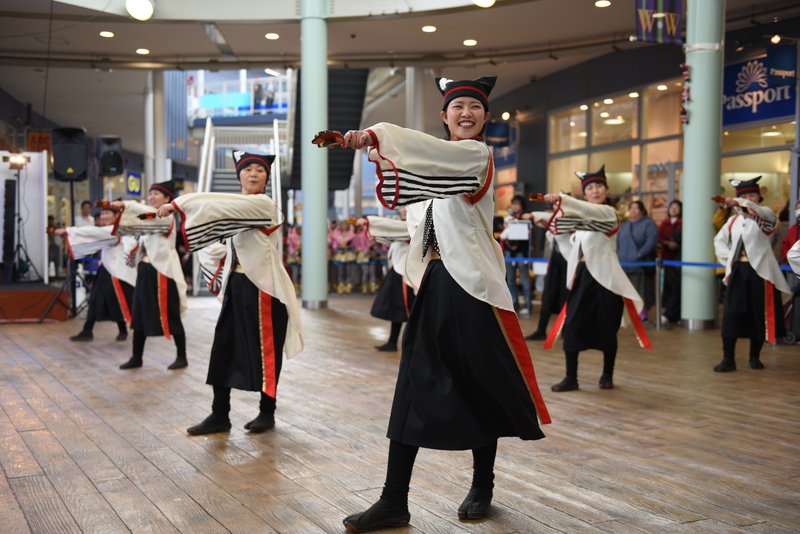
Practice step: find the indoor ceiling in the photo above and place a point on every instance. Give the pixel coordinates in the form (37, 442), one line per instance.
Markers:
(98, 83)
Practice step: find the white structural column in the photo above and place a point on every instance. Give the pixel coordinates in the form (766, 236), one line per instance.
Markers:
(159, 129)
(149, 147)
(314, 161)
(415, 103)
(701, 159)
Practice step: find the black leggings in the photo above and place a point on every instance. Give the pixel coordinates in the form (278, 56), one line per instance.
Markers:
(609, 357)
(139, 338)
(222, 401)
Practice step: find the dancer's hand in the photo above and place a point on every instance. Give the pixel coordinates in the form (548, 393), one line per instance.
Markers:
(356, 139)
(166, 210)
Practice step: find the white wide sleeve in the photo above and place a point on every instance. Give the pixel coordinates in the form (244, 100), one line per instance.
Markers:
(414, 166)
(84, 241)
(129, 223)
(211, 217)
(763, 215)
(573, 214)
(386, 230)
(793, 257)
(212, 260)
(722, 243)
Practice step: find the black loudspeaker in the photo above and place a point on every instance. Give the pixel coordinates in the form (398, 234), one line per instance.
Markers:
(69, 154)
(9, 227)
(109, 155)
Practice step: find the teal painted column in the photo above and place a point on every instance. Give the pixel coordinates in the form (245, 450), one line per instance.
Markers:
(314, 161)
(701, 158)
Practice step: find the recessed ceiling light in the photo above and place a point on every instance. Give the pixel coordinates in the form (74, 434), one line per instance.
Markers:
(662, 87)
(142, 51)
(272, 36)
(608, 101)
(633, 94)
(604, 114)
(572, 123)
(470, 42)
(106, 34)
(596, 104)
(272, 72)
(602, 3)
(771, 133)
(506, 115)
(429, 29)
(618, 120)
(139, 9)
(582, 134)
(584, 107)
(483, 3)
(775, 39)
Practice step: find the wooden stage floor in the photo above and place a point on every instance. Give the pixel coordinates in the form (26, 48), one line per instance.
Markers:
(86, 447)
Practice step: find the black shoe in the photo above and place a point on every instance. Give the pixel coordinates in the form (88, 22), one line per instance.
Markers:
(211, 424)
(755, 363)
(476, 505)
(387, 347)
(84, 335)
(568, 384)
(606, 382)
(726, 365)
(262, 423)
(122, 336)
(382, 514)
(537, 336)
(179, 363)
(133, 363)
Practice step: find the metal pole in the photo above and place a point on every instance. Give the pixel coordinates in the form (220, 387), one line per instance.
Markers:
(149, 140)
(314, 98)
(702, 152)
(659, 270)
(794, 164)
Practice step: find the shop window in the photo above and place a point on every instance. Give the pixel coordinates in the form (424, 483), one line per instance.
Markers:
(662, 166)
(567, 130)
(662, 109)
(614, 119)
(561, 174)
(760, 137)
(619, 168)
(773, 167)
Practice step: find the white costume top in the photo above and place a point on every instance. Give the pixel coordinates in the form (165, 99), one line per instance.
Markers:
(793, 257)
(157, 236)
(394, 232)
(750, 228)
(116, 252)
(594, 241)
(247, 224)
(564, 241)
(455, 177)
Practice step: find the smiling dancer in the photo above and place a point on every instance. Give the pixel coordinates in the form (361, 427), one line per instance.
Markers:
(466, 377)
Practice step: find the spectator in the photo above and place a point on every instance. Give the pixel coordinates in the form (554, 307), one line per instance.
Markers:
(518, 249)
(669, 238)
(636, 241)
(85, 218)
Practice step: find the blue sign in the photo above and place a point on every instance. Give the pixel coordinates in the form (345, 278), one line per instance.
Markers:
(505, 156)
(497, 133)
(781, 64)
(133, 183)
(749, 95)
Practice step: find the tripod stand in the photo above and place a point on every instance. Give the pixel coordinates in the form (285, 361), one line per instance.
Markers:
(21, 262)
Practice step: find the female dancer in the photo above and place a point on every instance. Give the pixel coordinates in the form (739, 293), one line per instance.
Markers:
(599, 289)
(259, 316)
(466, 377)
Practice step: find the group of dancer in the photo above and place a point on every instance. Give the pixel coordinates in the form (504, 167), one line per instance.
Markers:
(466, 376)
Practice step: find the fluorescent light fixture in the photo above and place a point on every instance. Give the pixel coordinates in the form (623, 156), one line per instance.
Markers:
(483, 3)
(142, 51)
(272, 72)
(617, 120)
(633, 94)
(272, 36)
(605, 114)
(506, 115)
(602, 3)
(771, 133)
(662, 87)
(470, 42)
(608, 101)
(582, 134)
(429, 29)
(140, 9)
(106, 34)
(584, 107)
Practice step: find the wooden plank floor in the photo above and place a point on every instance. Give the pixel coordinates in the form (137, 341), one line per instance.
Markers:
(86, 447)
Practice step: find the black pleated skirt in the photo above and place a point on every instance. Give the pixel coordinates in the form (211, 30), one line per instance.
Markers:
(248, 341)
(390, 304)
(745, 303)
(148, 315)
(555, 290)
(107, 299)
(594, 315)
(459, 385)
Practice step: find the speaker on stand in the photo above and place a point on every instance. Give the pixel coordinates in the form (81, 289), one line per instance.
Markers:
(109, 159)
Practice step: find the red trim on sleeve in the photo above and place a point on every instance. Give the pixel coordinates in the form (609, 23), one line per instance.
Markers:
(117, 221)
(183, 226)
(216, 275)
(478, 195)
(69, 247)
(163, 303)
(376, 146)
(269, 231)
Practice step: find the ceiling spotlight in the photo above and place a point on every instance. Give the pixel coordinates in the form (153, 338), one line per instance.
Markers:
(429, 29)
(608, 101)
(604, 114)
(142, 51)
(602, 3)
(483, 3)
(140, 9)
(572, 123)
(662, 87)
(739, 45)
(584, 107)
(470, 42)
(775, 39)
(106, 34)
(633, 94)
(506, 115)
(582, 134)
(272, 36)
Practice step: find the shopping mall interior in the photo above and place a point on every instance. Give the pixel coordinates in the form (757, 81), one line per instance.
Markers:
(582, 84)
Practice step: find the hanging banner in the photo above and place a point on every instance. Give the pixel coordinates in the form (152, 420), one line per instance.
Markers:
(659, 21)
(749, 95)
(781, 64)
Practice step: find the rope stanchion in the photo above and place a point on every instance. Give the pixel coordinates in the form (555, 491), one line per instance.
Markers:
(667, 263)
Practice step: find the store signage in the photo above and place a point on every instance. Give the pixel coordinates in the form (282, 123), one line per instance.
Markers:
(133, 183)
(749, 95)
(659, 21)
(781, 64)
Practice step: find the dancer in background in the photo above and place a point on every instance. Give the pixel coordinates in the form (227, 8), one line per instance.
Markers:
(600, 292)
(111, 296)
(159, 298)
(259, 316)
(752, 304)
(466, 377)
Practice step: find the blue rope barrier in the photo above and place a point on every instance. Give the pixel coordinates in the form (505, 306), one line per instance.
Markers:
(670, 263)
